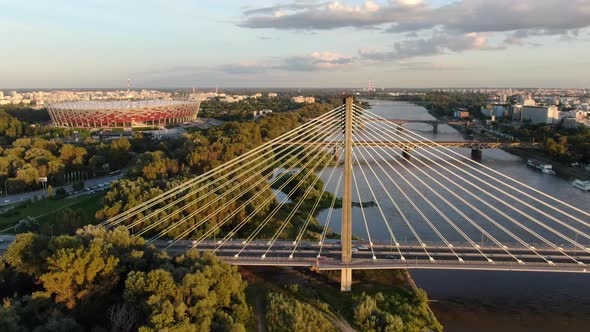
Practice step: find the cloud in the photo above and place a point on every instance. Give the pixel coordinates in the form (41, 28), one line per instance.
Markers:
(460, 17)
(310, 62)
(329, 15)
(317, 61)
(439, 43)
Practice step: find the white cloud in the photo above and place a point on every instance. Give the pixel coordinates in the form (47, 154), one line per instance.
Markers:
(459, 17)
(439, 43)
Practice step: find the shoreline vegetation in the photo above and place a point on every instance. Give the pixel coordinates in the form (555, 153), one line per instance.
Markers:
(379, 301)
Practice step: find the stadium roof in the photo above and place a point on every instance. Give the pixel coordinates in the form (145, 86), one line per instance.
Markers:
(117, 104)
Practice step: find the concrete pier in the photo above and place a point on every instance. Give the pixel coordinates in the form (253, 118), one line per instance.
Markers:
(406, 153)
(476, 154)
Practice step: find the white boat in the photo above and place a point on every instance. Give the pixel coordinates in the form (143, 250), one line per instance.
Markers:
(584, 185)
(545, 168)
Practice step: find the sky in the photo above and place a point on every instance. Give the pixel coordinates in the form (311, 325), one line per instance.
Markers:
(294, 43)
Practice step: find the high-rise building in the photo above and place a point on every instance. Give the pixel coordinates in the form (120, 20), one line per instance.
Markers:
(540, 114)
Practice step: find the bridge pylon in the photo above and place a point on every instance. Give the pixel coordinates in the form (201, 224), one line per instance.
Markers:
(346, 233)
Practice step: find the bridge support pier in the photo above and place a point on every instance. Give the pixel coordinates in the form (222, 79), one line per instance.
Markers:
(345, 280)
(406, 154)
(476, 154)
(435, 127)
(336, 154)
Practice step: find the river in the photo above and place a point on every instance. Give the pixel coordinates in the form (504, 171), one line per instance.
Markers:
(472, 300)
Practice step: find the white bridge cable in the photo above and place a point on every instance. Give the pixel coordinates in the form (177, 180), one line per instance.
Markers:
(397, 207)
(256, 171)
(387, 225)
(531, 248)
(269, 185)
(271, 154)
(504, 214)
(329, 215)
(231, 215)
(313, 209)
(535, 220)
(432, 205)
(456, 209)
(358, 193)
(200, 178)
(270, 215)
(205, 176)
(296, 208)
(462, 157)
(481, 213)
(418, 210)
(391, 233)
(268, 153)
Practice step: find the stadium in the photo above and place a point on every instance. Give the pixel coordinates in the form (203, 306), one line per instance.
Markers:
(123, 113)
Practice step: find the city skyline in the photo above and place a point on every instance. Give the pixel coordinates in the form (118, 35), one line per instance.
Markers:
(292, 44)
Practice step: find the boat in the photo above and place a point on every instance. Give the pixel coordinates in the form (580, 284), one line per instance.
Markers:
(545, 168)
(584, 185)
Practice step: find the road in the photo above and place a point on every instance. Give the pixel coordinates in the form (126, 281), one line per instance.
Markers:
(385, 256)
(388, 257)
(11, 199)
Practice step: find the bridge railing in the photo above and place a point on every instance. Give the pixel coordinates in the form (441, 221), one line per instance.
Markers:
(331, 263)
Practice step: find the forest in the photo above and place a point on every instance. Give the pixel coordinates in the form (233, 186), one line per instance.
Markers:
(110, 280)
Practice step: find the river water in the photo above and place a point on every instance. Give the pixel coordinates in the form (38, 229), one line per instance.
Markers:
(468, 300)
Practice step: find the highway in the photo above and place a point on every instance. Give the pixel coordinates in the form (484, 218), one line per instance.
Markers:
(386, 256)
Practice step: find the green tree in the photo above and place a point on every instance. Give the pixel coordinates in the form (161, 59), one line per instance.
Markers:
(27, 254)
(200, 293)
(77, 273)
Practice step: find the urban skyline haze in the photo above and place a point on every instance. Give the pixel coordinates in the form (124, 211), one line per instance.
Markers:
(235, 43)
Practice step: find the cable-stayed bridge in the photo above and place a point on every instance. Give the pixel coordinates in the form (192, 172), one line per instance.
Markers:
(437, 210)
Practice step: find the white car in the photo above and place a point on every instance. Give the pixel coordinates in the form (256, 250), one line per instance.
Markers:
(355, 250)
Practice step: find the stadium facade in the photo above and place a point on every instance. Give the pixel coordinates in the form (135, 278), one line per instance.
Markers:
(123, 113)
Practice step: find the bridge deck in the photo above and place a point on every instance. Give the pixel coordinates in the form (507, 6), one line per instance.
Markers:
(388, 257)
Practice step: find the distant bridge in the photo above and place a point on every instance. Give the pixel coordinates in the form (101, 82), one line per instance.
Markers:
(407, 146)
(433, 123)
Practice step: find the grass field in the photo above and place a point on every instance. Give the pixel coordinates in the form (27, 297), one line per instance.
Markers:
(43, 209)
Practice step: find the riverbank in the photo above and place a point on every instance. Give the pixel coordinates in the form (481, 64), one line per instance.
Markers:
(321, 290)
